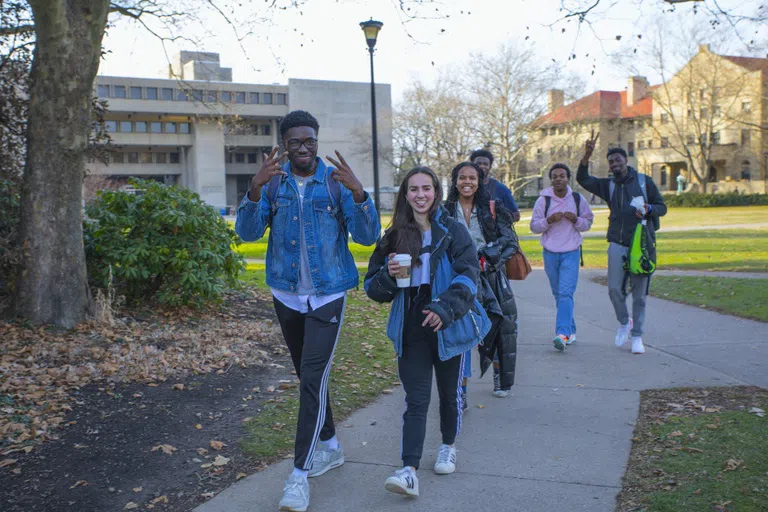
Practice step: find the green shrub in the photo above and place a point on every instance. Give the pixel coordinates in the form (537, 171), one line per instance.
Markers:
(162, 243)
(691, 200)
(10, 253)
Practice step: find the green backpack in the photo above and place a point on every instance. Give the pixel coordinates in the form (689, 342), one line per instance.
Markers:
(639, 261)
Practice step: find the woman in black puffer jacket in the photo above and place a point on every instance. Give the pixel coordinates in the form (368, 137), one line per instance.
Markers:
(490, 226)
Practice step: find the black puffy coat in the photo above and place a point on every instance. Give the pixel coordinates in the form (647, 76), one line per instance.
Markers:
(495, 293)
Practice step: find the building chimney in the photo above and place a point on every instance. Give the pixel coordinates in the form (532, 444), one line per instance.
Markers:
(636, 89)
(703, 48)
(556, 99)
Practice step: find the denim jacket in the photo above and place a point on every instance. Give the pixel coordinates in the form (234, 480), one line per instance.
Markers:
(331, 264)
(454, 273)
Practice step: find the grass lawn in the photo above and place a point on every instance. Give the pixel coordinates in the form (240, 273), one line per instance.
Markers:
(364, 367)
(739, 297)
(698, 449)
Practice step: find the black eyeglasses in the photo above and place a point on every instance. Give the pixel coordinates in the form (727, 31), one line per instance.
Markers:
(295, 144)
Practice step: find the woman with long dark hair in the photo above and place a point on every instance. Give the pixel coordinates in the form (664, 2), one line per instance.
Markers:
(434, 319)
(490, 227)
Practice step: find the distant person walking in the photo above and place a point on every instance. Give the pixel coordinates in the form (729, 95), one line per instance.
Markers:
(498, 191)
(426, 266)
(310, 209)
(620, 192)
(561, 215)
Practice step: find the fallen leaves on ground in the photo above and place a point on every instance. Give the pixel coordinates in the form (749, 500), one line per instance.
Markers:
(41, 366)
(732, 464)
(165, 448)
(217, 445)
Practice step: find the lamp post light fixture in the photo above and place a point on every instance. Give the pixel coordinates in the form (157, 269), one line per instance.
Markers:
(371, 30)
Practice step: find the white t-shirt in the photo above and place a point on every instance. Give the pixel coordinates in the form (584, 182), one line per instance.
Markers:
(420, 274)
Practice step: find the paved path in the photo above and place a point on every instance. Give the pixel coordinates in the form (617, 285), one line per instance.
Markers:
(559, 442)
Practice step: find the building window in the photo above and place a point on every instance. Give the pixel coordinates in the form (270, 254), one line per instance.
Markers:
(184, 128)
(266, 129)
(746, 174)
(715, 138)
(145, 158)
(281, 99)
(116, 158)
(664, 118)
(641, 144)
(539, 156)
(716, 92)
(135, 93)
(690, 113)
(110, 126)
(702, 93)
(665, 142)
(173, 158)
(133, 157)
(746, 106)
(253, 98)
(553, 131)
(126, 127)
(561, 130)
(210, 96)
(103, 91)
(266, 98)
(182, 95)
(197, 95)
(704, 113)
(161, 158)
(690, 139)
(156, 127)
(746, 137)
(239, 97)
(119, 91)
(570, 129)
(703, 138)
(170, 127)
(239, 158)
(716, 111)
(252, 158)
(226, 97)
(650, 143)
(166, 94)
(630, 149)
(544, 132)
(151, 93)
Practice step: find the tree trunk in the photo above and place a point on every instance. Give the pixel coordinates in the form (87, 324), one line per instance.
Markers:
(52, 282)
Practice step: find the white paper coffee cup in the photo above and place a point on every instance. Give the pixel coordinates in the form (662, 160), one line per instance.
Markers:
(403, 277)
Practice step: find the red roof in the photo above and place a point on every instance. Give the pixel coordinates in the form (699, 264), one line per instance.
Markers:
(750, 63)
(599, 105)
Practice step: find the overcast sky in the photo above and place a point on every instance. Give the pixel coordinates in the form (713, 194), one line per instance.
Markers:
(323, 40)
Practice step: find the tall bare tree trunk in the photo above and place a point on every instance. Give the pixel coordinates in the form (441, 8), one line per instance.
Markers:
(52, 285)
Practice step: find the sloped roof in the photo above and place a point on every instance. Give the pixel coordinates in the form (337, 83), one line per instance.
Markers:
(598, 105)
(750, 63)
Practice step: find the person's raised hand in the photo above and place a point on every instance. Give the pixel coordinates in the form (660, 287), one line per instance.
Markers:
(589, 146)
(555, 217)
(346, 176)
(269, 169)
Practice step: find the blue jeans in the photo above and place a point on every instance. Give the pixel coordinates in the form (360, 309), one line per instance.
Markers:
(562, 269)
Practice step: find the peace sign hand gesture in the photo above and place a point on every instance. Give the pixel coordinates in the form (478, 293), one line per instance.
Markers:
(589, 147)
(346, 176)
(269, 169)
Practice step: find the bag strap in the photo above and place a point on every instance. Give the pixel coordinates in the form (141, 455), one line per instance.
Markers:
(640, 181)
(577, 200)
(547, 202)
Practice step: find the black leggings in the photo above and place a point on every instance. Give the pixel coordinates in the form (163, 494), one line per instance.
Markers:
(420, 355)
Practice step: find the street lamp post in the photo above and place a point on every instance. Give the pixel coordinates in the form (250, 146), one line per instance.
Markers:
(371, 29)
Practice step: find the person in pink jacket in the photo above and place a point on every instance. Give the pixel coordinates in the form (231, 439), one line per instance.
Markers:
(561, 215)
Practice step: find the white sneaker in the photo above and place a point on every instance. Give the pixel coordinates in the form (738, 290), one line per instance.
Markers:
(403, 481)
(325, 460)
(446, 460)
(637, 345)
(295, 495)
(571, 339)
(622, 333)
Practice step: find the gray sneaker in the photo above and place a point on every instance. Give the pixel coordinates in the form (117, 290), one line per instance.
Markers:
(325, 460)
(295, 495)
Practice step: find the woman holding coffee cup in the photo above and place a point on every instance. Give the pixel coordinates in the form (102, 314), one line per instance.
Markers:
(426, 265)
(490, 226)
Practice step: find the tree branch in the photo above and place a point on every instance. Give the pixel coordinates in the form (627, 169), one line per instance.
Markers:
(18, 29)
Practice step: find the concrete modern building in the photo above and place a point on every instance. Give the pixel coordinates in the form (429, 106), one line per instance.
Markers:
(706, 123)
(198, 129)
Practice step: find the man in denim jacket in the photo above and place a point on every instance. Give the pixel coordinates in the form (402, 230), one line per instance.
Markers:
(309, 270)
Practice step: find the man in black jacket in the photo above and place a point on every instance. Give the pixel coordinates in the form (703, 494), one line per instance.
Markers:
(618, 191)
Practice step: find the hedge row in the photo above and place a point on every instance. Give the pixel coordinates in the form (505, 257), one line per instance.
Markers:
(709, 200)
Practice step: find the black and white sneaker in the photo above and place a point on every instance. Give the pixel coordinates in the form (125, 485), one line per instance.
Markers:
(497, 391)
(403, 481)
(464, 404)
(446, 460)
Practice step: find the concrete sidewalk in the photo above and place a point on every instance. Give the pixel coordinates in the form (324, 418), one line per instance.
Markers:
(559, 442)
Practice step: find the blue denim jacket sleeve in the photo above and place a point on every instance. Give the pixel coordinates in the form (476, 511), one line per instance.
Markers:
(252, 218)
(361, 219)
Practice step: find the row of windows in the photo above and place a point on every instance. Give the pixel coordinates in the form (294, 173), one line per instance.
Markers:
(146, 127)
(251, 129)
(171, 94)
(135, 157)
